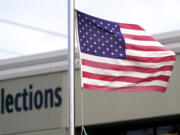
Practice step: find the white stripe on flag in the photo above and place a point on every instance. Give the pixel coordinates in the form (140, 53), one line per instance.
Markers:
(147, 53)
(143, 43)
(134, 32)
(123, 84)
(124, 62)
(123, 73)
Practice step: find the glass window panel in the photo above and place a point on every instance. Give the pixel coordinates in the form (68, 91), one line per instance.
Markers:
(148, 131)
(164, 130)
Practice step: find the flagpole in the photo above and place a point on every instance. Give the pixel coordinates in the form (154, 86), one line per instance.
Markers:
(71, 52)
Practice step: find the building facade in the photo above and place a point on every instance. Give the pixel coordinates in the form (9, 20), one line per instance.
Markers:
(34, 94)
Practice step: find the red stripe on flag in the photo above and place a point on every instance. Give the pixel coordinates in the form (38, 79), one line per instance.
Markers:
(123, 78)
(130, 26)
(125, 89)
(137, 37)
(145, 48)
(124, 68)
(151, 59)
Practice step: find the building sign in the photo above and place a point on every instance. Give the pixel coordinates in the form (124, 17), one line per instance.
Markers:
(29, 99)
(33, 103)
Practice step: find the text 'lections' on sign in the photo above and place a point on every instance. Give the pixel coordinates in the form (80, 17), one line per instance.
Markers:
(29, 99)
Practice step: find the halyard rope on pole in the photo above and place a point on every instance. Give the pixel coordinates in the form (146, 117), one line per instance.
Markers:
(83, 130)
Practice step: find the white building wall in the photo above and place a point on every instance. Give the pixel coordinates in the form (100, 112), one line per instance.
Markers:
(49, 70)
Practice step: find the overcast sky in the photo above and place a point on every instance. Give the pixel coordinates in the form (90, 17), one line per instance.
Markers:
(156, 16)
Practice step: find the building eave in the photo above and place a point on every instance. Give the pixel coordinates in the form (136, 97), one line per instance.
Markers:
(57, 61)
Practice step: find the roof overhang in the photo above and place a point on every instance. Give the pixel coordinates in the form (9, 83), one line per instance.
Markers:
(57, 61)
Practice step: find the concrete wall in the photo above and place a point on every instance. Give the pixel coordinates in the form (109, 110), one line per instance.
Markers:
(41, 119)
(49, 71)
(99, 107)
(103, 107)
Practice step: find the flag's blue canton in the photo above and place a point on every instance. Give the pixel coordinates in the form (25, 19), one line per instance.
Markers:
(100, 37)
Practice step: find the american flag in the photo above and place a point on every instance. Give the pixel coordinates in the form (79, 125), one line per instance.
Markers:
(121, 57)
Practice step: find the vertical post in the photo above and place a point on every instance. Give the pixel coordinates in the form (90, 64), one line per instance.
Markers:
(71, 50)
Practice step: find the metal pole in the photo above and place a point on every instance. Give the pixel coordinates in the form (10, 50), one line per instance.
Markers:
(71, 50)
